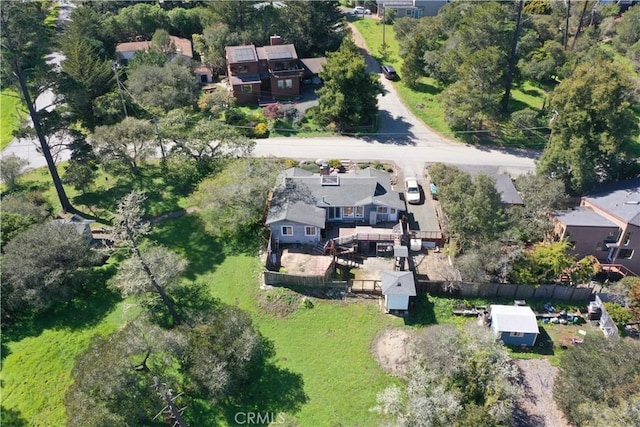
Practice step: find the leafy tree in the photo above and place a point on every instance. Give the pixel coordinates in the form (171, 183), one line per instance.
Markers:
(151, 273)
(594, 127)
(11, 167)
(472, 206)
(187, 22)
(41, 267)
(163, 88)
(454, 378)
(141, 19)
(628, 29)
(211, 43)
(545, 63)
(619, 314)
(348, 97)
(544, 263)
(612, 385)
(216, 102)
(82, 168)
(17, 214)
(210, 359)
(161, 41)
(25, 40)
(204, 142)
(314, 27)
(542, 196)
(127, 143)
(233, 201)
(629, 288)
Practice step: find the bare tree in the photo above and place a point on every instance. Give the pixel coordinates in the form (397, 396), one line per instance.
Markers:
(128, 229)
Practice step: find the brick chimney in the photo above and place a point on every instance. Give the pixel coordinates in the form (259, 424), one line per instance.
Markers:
(275, 40)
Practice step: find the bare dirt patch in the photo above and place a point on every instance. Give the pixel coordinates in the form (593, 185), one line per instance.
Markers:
(390, 350)
(537, 408)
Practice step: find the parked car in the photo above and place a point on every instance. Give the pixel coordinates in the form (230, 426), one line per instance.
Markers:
(413, 190)
(389, 72)
(359, 10)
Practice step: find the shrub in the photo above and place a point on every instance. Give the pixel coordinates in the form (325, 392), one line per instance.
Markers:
(273, 111)
(260, 130)
(335, 164)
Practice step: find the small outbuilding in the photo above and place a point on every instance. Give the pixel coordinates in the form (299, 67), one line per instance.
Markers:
(397, 287)
(514, 325)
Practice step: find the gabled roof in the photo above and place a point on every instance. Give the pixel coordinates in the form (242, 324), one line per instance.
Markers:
(81, 224)
(621, 198)
(583, 217)
(398, 283)
(183, 46)
(301, 196)
(513, 318)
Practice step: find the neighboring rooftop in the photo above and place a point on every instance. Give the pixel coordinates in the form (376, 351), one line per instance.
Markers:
(504, 185)
(621, 198)
(277, 52)
(513, 318)
(313, 66)
(583, 217)
(183, 46)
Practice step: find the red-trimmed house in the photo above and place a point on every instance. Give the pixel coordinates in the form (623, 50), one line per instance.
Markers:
(264, 74)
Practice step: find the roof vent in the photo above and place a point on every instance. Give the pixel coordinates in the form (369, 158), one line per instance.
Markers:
(632, 202)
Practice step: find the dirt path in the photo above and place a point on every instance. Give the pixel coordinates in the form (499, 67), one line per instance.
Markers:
(538, 409)
(390, 349)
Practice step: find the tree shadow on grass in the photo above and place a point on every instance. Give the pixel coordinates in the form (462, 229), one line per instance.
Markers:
(12, 418)
(421, 311)
(92, 303)
(188, 237)
(427, 89)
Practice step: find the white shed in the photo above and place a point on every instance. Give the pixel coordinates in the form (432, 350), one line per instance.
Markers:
(514, 325)
(397, 287)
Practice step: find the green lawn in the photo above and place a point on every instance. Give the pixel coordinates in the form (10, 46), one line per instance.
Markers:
(12, 114)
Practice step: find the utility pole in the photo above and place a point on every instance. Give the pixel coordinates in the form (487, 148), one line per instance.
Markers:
(115, 67)
(384, 11)
(575, 37)
(512, 60)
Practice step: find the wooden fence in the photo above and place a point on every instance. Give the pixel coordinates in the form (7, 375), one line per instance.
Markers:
(365, 286)
(366, 237)
(503, 290)
(276, 278)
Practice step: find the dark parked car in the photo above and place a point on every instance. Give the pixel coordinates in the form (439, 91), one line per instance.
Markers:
(389, 72)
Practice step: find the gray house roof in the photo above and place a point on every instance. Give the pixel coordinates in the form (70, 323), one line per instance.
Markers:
(302, 196)
(398, 283)
(512, 318)
(583, 217)
(621, 199)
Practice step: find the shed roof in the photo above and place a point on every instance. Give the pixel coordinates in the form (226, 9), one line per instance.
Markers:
(398, 283)
(513, 318)
(313, 66)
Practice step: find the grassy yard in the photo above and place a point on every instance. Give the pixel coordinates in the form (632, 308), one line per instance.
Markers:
(12, 113)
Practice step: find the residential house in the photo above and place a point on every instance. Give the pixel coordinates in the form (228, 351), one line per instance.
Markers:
(397, 287)
(411, 8)
(503, 184)
(607, 226)
(305, 203)
(183, 50)
(514, 325)
(268, 73)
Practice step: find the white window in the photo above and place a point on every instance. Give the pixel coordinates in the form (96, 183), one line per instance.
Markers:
(286, 83)
(287, 230)
(516, 334)
(382, 209)
(392, 211)
(359, 211)
(310, 231)
(347, 212)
